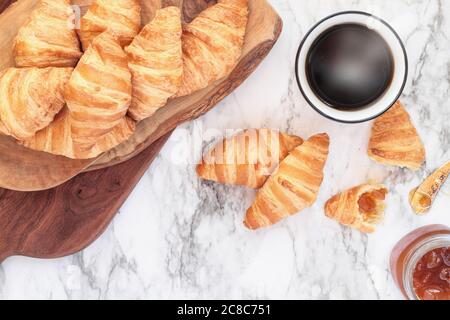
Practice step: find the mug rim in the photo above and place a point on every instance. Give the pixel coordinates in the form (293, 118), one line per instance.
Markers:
(402, 46)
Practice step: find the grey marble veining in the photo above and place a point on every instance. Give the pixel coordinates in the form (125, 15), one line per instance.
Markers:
(179, 237)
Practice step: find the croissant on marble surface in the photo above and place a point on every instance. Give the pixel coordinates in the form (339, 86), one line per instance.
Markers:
(247, 158)
(395, 141)
(47, 39)
(98, 93)
(121, 17)
(212, 44)
(30, 98)
(361, 207)
(293, 186)
(156, 63)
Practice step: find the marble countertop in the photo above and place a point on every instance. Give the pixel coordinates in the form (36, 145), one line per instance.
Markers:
(179, 237)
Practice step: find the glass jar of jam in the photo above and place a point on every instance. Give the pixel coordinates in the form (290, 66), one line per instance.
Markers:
(420, 263)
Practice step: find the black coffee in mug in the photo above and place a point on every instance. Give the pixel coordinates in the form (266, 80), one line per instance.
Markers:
(349, 66)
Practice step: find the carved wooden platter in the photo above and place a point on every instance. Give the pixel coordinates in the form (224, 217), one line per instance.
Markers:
(22, 169)
(68, 216)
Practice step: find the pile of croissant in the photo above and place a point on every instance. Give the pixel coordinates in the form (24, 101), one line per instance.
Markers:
(80, 92)
(288, 171)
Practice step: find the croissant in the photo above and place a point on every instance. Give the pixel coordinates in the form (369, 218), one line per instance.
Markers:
(30, 98)
(47, 39)
(57, 138)
(361, 207)
(293, 186)
(394, 140)
(212, 44)
(156, 63)
(247, 158)
(112, 139)
(98, 93)
(422, 197)
(121, 17)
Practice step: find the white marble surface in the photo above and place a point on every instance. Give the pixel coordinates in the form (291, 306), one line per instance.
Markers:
(178, 237)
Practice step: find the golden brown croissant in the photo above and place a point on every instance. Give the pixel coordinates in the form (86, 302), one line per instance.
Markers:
(47, 39)
(394, 140)
(212, 44)
(112, 139)
(293, 186)
(361, 207)
(57, 138)
(422, 197)
(30, 98)
(121, 17)
(98, 93)
(247, 158)
(156, 63)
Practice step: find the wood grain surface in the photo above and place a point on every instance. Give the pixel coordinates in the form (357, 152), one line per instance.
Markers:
(38, 171)
(64, 219)
(5, 4)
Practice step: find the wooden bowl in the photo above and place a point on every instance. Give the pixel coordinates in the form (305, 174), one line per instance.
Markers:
(22, 169)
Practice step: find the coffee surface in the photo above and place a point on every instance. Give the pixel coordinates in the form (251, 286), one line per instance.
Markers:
(349, 66)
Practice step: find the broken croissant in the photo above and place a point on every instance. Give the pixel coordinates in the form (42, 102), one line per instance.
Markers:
(247, 158)
(422, 197)
(121, 17)
(394, 140)
(361, 207)
(57, 138)
(47, 39)
(212, 44)
(98, 93)
(30, 98)
(156, 63)
(293, 186)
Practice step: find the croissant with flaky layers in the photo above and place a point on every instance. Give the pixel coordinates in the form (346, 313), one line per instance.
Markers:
(26, 104)
(121, 17)
(212, 44)
(247, 158)
(47, 39)
(113, 85)
(395, 141)
(293, 186)
(57, 138)
(156, 64)
(361, 207)
(98, 93)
